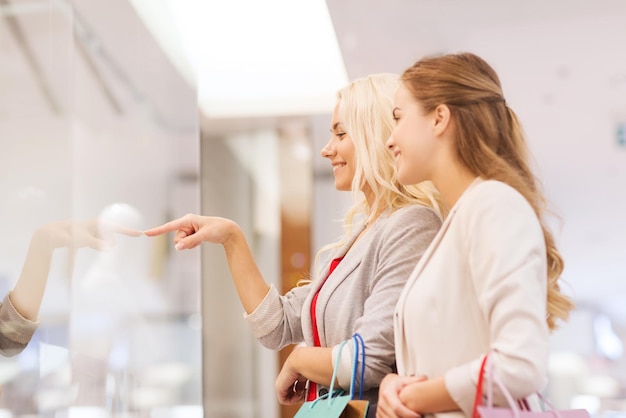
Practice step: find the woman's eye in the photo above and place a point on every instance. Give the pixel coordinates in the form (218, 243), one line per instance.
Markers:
(340, 134)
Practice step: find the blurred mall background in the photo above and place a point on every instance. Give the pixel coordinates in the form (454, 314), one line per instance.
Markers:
(139, 111)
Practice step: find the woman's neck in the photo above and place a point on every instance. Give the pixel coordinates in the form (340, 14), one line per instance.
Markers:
(452, 183)
(370, 198)
(375, 211)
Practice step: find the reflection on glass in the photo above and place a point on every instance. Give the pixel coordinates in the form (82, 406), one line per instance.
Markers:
(20, 308)
(96, 137)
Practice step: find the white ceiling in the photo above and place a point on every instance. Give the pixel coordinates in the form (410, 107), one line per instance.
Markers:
(377, 35)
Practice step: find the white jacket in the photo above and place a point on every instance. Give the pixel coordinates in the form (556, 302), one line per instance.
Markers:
(480, 286)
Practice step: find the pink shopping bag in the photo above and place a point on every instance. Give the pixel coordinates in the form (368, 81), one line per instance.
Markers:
(516, 409)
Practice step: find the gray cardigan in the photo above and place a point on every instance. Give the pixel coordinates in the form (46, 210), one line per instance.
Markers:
(360, 296)
(15, 330)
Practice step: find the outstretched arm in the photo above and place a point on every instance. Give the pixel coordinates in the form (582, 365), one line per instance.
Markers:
(28, 292)
(192, 230)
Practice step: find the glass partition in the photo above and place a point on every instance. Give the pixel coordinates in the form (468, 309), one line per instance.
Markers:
(99, 142)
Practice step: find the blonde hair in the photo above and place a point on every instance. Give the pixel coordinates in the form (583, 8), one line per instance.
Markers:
(489, 141)
(366, 114)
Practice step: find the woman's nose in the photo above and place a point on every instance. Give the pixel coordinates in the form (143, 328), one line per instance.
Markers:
(389, 143)
(328, 151)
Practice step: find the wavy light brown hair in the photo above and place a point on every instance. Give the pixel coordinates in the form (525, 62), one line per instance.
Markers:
(489, 141)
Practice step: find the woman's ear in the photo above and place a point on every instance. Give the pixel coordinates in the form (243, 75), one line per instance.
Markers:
(442, 119)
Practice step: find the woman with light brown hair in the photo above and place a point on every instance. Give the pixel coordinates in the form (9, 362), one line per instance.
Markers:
(488, 283)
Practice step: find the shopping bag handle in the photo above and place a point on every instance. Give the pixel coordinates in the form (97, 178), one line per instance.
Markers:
(332, 379)
(478, 398)
(487, 366)
(359, 346)
(359, 349)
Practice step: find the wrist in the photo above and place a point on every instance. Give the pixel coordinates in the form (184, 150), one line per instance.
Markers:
(294, 359)
(409, 396)
(233, 234)
(40, 244)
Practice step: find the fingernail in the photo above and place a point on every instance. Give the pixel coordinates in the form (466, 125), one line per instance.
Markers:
(180, 246)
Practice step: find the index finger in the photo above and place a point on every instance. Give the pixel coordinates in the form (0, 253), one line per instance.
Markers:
(126, 231)
(119, 229)
(171, 226)
(116, 228)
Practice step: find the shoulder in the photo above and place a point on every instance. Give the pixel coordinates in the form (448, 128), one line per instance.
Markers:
(411, 218)
(415, 212)
(494, 194)
(495, 206)
(491, 190)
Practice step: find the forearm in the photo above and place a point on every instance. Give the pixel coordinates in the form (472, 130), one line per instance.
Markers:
(314, 363)
(28, 292)
(428, 396)
(247, 278)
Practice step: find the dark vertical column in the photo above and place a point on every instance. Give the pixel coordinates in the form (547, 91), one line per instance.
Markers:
(296, 195)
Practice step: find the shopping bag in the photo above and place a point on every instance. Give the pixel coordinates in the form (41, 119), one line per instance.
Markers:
(356, 408)
(516, 409)
(338, 403)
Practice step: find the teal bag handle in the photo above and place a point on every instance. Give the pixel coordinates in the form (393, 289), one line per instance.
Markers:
(332, 379)
(335, 401)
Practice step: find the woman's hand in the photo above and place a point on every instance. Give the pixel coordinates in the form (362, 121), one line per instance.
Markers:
(389, 403)
(290, 385)
(94, 233)
(191, 230)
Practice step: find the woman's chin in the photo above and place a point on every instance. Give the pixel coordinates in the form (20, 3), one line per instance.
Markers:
(340, 187)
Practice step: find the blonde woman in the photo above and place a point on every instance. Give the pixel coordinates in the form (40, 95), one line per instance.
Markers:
(386, 232)
(489, 281)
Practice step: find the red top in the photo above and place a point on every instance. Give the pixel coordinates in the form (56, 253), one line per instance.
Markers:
(312, 393)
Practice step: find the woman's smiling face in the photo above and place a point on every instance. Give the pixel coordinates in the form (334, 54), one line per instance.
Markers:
(412, 139)
(340, 151)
